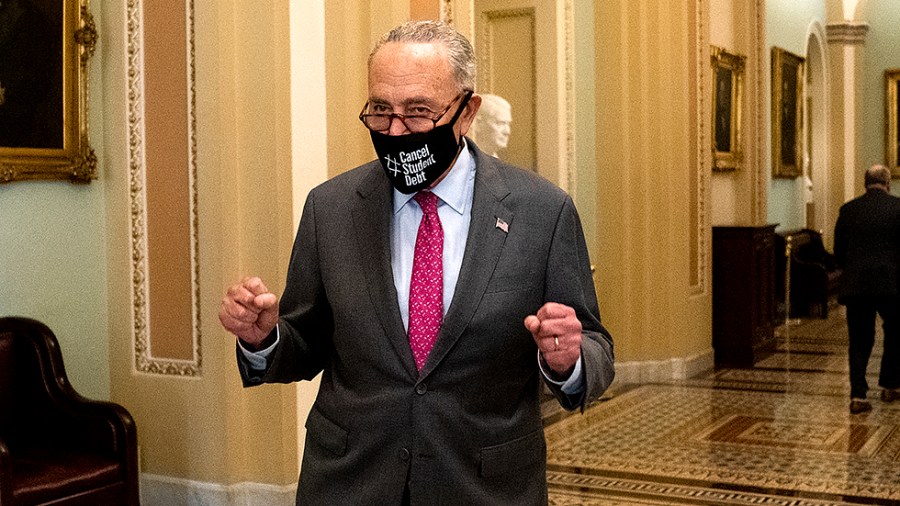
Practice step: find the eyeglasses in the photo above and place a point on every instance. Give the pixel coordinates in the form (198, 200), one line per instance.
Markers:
(415, 123)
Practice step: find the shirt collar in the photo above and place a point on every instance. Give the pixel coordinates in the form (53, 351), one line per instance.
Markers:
(452, 189)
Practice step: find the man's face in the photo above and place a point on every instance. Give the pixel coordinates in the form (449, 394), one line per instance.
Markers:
(416, 79)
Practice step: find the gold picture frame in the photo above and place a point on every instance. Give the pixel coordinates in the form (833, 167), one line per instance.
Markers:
(892, 121)
(43, 122)
(727, 97)
(787, 113)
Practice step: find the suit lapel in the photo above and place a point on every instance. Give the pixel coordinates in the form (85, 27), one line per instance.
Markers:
(483, 246)
(372, 222)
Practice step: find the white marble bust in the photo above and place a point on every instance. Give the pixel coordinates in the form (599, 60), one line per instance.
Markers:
(492, 124)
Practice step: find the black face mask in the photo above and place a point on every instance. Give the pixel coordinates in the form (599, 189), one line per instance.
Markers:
(415, 161)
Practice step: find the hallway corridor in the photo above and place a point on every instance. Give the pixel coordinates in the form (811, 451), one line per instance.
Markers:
(778, 434)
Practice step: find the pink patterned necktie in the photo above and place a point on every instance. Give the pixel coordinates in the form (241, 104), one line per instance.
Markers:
(426, 289)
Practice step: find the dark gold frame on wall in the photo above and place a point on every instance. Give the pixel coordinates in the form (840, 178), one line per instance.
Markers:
(727, 97)
(787, 113)
(892, 121)
(59, 39)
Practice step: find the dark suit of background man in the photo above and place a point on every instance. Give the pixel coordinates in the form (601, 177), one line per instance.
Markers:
(398, 420)
(867, 249)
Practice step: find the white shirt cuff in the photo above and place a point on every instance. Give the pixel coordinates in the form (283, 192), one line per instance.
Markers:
(571, 386)
(259, 360)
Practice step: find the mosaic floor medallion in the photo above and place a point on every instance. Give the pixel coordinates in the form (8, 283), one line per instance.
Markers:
(777, 434)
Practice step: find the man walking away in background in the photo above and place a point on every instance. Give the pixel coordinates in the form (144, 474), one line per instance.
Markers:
(867, 249)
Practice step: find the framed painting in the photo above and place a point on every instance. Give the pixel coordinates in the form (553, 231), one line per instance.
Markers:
(892, 121)
(45, 47)
(787, 113)
(728, 90)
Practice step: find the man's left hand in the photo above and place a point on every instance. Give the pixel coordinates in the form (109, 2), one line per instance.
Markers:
(557, 332)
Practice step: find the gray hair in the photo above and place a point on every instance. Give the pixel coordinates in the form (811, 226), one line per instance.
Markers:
(459, 50)
(878, 175)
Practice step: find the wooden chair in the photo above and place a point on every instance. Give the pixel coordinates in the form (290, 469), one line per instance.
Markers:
(56, 447)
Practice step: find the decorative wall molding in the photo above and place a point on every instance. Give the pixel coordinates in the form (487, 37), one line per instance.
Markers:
(759, 202)
(144, 361)
(699, 250)
(847, 33)
(159, 490)
(569, 170)
(460, 14)
(447, 11)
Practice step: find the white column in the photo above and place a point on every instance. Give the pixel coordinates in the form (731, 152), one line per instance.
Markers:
(308, 116)
(309, 154)
(851, 35)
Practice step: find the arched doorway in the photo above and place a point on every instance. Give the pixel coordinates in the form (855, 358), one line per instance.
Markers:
(815, 166)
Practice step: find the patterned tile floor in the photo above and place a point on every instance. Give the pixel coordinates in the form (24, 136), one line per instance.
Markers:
(777, 434)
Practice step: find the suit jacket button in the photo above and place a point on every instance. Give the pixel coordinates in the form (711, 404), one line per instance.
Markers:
(421, 388)
(403, 454)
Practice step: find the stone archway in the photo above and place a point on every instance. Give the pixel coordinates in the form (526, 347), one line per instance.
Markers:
(817, 112)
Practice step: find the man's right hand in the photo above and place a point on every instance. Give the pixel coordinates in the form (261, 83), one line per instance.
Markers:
(249, 311)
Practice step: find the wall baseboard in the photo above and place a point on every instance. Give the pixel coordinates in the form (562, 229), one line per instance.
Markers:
(159, 490)
(663, 370)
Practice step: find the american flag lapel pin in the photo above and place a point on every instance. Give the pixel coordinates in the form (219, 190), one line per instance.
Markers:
(502, 225)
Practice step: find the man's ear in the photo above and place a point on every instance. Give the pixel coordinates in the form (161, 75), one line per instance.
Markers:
(468, 115)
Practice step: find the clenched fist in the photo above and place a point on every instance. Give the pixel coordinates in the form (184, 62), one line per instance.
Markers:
(249, 311)
(557, 332)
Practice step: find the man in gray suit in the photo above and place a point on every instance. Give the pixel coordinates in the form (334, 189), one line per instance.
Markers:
(867, 249)
(435, 289)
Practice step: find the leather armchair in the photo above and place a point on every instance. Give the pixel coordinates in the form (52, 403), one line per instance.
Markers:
(56, 447)
(817, 275)
(814, 274)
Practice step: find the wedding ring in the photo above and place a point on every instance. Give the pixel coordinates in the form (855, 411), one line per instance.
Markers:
(555, 343)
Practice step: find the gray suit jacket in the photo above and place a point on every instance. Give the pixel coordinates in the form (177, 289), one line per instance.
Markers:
(467, 429)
